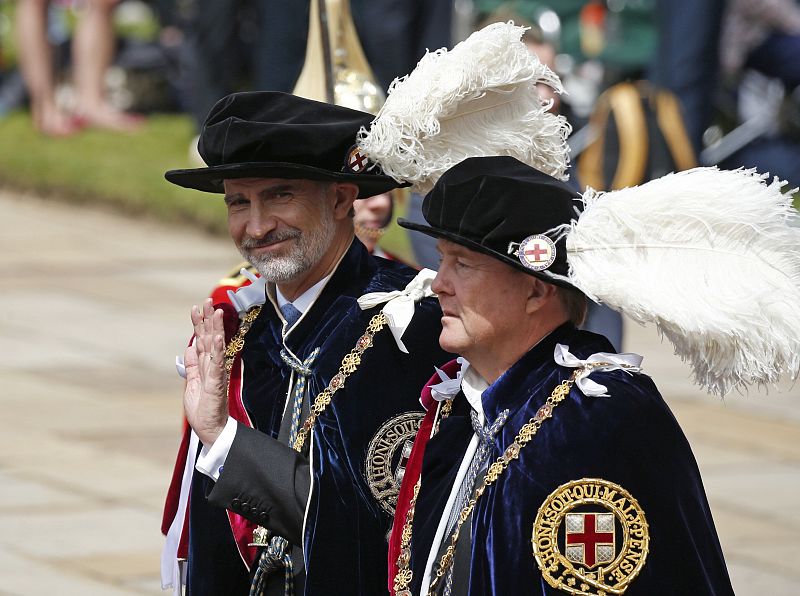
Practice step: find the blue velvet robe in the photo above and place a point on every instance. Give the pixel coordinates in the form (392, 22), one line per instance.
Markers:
(630, 438)
(345, 531)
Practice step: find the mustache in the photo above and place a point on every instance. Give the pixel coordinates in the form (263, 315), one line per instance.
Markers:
(271, 238)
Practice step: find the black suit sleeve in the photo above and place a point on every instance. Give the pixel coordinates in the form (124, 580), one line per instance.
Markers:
(266, 482)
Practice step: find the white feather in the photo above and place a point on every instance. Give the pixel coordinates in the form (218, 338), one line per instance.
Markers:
(475, 100)
(712, 257)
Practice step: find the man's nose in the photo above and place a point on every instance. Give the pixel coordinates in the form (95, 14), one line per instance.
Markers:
(438, 284)
(259, 221)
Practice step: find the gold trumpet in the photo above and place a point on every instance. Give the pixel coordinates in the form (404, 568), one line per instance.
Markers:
(336, 69)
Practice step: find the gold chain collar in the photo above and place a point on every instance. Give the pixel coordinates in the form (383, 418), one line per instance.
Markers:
(236, 344)
(402, 580)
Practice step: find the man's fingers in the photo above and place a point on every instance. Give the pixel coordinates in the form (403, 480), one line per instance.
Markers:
(205, 332)
(197, 318)
(190, 361)
(208, 316)
(218, 326)
(214, 367)
(207, 323)
(197, 322)
(219, 355)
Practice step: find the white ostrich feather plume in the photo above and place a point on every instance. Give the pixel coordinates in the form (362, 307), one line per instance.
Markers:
(477, 99)
(712, 257)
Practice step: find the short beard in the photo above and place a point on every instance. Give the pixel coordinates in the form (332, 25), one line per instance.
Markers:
(306, 251)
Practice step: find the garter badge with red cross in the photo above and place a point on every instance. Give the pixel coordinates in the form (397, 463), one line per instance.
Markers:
(356, 162)
(590, 537)
(536, 252)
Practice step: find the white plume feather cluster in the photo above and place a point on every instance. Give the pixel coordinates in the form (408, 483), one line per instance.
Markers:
(712, 257)
(478, 99)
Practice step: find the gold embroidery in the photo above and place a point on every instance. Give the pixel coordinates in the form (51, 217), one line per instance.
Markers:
(387, 456)
(596, 556)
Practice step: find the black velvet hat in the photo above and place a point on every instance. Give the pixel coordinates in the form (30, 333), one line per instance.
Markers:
(503, 208)
(266, 134)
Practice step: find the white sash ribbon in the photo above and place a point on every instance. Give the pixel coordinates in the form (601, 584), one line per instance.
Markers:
(172, 573)
(630, 363)
(399, 308)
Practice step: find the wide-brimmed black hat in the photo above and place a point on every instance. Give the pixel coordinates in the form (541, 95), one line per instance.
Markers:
(503, 208)
(266, 134)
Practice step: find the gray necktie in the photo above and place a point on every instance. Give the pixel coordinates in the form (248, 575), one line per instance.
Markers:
(479, 463)
(290, 313)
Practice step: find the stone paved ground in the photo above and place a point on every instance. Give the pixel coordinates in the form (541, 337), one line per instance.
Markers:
(93, 308)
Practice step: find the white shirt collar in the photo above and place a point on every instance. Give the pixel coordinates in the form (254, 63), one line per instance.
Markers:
(306, 299)
(473, 385)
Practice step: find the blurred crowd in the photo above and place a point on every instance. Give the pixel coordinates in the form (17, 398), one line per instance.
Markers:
(723, 73)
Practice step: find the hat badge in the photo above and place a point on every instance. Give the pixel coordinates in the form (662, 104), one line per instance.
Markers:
(357, 162)
(536, 252)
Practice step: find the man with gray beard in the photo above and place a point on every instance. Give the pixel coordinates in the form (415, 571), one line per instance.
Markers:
(303, 399)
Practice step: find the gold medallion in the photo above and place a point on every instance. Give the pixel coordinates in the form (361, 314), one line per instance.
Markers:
(387, 457)
(590, 537)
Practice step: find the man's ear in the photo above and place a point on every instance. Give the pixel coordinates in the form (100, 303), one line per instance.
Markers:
(540, 293)
(345, 194)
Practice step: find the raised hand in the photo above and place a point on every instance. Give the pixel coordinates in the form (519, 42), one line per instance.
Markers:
(205, 399)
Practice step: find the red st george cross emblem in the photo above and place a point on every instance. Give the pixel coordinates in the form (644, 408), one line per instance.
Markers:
(597, 550)
(590, 538)
(537, 252)
(357, 161)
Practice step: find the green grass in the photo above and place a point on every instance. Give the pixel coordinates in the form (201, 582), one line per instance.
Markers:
(125, 171)
(122, 171)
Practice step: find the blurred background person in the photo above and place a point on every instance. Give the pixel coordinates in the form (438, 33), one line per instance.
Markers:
(686, 58)
(234, 45)
(372, 217)
(763, 35)
(93, 46)
(759, 51)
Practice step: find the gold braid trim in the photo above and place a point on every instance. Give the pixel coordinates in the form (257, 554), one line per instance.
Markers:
(402, 580)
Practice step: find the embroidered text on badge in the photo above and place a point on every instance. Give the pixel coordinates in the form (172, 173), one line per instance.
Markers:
(387, 457)
(590, 537)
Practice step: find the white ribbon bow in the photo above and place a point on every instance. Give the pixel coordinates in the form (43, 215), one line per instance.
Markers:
(399, 308)
(628, 362)
(449, 388)
(247, 297)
